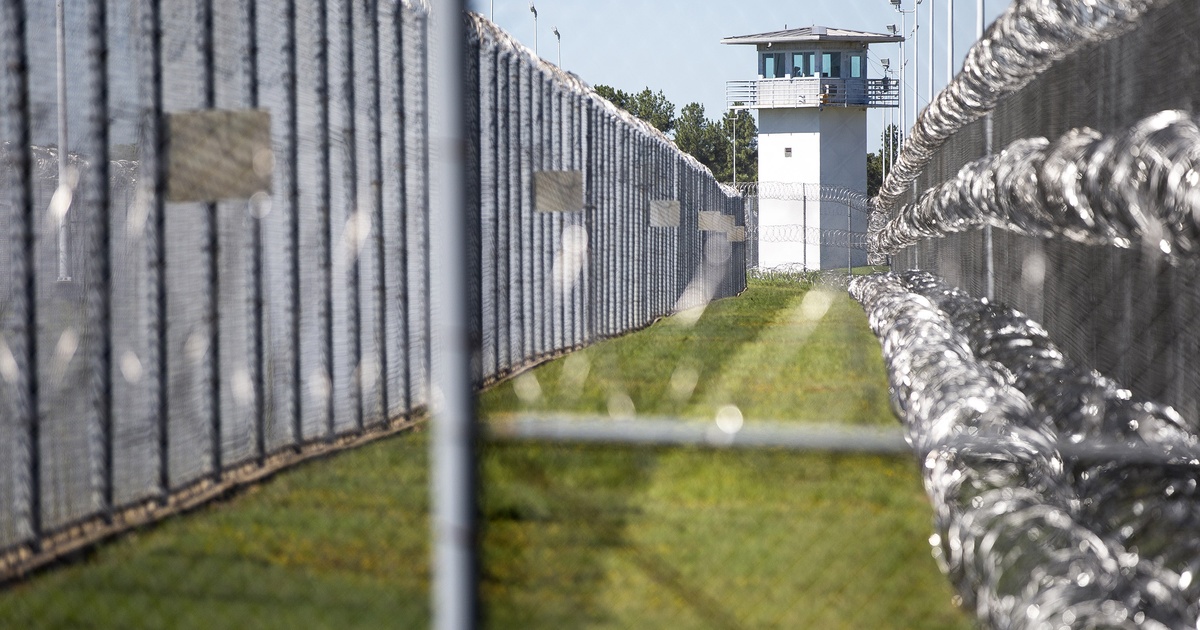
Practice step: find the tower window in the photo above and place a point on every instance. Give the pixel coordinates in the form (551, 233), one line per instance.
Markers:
(787, 152)
(831, 65)
(804, 64)
(772, 66)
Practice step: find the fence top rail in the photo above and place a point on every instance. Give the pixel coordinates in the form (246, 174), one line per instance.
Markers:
(491, 35)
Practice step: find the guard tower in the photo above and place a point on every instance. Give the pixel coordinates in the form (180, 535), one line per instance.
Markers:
(812, 94)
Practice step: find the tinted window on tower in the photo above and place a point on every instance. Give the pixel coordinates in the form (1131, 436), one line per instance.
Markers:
(831, 65)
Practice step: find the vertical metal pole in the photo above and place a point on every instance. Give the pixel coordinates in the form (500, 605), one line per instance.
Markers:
(989, 260)
(212, 252)
(916, 110)
(886, 113)
(804, 225)
(455, 595)
(903, 65)
(849, 267)
(15, 126)
(932, 31)
(949, 41)
(99, 270)
(153, 184)
(64, 239)
(735, 130)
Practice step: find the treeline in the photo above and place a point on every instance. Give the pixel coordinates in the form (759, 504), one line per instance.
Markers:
(712, 142)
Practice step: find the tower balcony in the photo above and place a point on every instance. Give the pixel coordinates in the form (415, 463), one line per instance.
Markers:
(800, 92)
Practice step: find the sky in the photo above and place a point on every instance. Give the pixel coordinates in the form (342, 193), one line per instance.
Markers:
(674, 45)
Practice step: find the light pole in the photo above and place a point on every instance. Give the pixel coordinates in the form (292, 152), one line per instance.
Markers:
(733, 141)
(533, 10)
(892, 29)
(887, 111)
(929, 93)
(949, 41)
(492, 10)
(916, 111)
(559, 38)
(896, 4)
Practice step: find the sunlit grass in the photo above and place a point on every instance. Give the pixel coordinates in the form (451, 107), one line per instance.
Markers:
(575, 536)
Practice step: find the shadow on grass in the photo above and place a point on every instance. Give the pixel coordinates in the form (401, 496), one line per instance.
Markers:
(556, 517)
(663, 370)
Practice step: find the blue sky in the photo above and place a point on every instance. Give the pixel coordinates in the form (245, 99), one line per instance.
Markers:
(674, 45)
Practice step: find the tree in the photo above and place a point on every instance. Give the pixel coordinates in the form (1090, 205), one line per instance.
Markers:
(711, 142)
(651, 107)
(692, 135)
(889, 142)
(740, 125)
(618, 97)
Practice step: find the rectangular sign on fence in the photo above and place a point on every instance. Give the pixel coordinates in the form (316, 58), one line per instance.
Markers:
(218, 154)
(558, 191)
(664, 213)
(716, 222)
(738, 235)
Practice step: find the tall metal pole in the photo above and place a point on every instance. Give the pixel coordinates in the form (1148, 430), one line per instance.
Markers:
(903, 63)
(454, 432)
(989, 259)
(64, 239)
(533, 9)
(932, 32)
(558, 37)
(949, 41)
(916, 110)
(733, 140)
(887, 135)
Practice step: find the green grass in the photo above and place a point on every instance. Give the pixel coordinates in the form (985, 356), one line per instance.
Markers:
(576, 536)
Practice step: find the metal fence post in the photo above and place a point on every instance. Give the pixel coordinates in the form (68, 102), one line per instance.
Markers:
(456, 605)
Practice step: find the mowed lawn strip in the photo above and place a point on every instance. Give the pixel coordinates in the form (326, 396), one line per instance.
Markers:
(693, 538)
(575, 536)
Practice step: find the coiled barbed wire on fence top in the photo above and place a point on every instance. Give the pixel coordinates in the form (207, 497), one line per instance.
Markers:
(1032, 535)
(790, 191)
(1029, 37)
(808, 235)
(1141, 187)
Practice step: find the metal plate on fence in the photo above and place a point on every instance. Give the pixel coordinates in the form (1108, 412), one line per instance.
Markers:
(664, 213)
(558, 191)
(716, 222)
(738, 234)
(218, 154)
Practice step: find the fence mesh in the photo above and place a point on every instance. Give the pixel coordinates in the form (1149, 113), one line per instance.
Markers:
(161, 339)
(1060, 185)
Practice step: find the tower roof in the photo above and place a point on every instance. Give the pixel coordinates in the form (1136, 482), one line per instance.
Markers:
(813, 34)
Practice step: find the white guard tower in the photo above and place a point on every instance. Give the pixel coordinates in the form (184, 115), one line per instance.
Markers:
(812, 95)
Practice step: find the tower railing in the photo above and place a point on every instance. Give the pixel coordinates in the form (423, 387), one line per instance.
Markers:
(811, 92)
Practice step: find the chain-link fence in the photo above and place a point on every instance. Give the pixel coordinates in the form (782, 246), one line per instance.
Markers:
(229, 271)
(834, 205)
(1057, 175)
